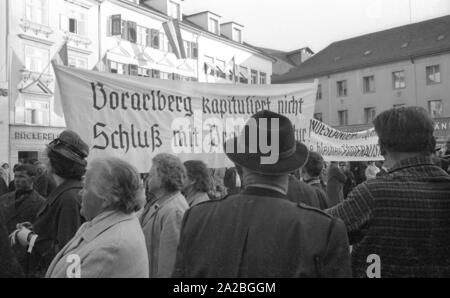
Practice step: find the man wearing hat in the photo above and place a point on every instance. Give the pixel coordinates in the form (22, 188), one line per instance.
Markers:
(259, 233)
(59, 218)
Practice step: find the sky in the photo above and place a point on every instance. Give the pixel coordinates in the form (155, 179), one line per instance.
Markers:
(292, 24)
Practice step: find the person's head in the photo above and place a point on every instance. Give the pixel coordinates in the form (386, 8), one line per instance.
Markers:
(198, 177)
(314, 166)
(24, 176)
(273, 128)
(167, 174)
(111, 184)
(5, 166)
(403, 132)
(41, 168)
(67, 156)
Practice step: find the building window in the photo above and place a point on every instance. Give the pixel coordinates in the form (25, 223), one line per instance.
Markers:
(78, 62)
(262, 78)
(133, 70)
(174, 10)
(214, 25)
(369, 84)
(37, 112)
(220, 65)
(191, 49)
(237, 35)
(163, 42)
(318, 116)
(156, 74)
(343, 117)
(433, 74)
(165, 75)
(37, 11)
(116, 67)
(398, 79)
(369, 115)
(74, 20)
(210, 69)
(319, 92)
(116, 25)
(254, 75)
(36, 59)
(342, 88)
(435, 107)
(141, 38)
(243, 75)
(144, 72)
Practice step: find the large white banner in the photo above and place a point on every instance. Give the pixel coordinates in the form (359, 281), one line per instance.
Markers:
(335, 145)
(136, 118)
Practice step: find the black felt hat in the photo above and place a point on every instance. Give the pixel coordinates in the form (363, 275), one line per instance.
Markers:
(291, 153)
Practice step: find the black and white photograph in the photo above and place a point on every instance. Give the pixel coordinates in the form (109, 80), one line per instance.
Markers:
(215, 142)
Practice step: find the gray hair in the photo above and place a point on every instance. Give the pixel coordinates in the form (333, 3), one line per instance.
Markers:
(118, 183)
(171, 171)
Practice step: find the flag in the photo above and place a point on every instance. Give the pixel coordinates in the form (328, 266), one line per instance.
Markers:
(173, 32)
(15, 80)
(101, 65)
(62, 57)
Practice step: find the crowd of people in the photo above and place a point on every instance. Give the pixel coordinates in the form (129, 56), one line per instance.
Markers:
(299, 217)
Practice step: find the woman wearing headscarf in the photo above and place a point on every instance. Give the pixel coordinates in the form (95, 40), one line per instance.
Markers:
(111, 243)
(198, 182)
(59, 218)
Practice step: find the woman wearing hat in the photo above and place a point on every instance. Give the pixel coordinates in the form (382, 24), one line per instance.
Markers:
(59, 218)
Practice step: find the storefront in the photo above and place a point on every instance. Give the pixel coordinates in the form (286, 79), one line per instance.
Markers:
(29, 142)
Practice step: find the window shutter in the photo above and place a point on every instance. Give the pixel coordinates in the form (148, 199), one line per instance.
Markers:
(116, 25)
(124, 30)
(148, 37)
(132, 31)
(194, 50)
(155, 38)
(63, 22)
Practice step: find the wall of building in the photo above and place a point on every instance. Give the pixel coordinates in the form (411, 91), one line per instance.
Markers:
(92, 47)
(116, 49)
(30, 36)
(216, 49)
(4, 109)
(416, 92)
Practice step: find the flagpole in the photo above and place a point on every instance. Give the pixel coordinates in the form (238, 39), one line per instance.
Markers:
(48, 65)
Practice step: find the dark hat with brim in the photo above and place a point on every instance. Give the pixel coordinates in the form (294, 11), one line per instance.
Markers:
(292, 154)
(70, 145)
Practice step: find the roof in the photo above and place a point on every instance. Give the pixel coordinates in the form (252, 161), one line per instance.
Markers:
(185, 21)
(232, 22)
(244, 44)
(396, 44)
(203, 12)
(278, 55)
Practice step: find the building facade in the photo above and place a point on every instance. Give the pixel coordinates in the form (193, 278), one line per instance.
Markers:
(34, 30)
(119, 36)
(363, 76)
